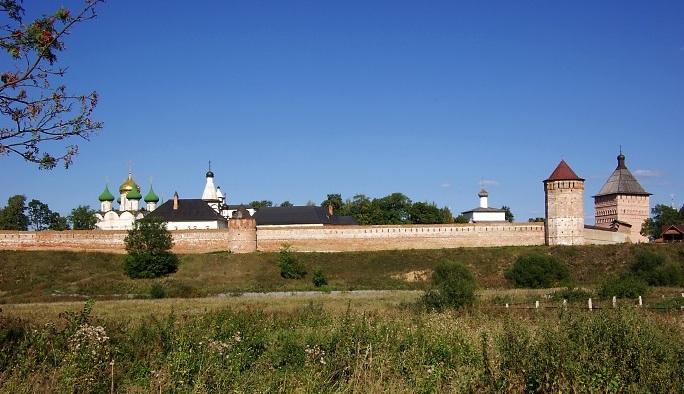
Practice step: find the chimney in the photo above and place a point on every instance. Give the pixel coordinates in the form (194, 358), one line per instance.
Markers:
(175, 201)
(330, 209)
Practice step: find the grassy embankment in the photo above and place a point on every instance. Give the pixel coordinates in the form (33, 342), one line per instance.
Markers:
(57, 276)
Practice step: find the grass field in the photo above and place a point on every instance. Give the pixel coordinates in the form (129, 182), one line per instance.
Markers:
(59, 276)
(54, 341)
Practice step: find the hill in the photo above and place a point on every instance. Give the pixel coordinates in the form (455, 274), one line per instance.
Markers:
(39, 276)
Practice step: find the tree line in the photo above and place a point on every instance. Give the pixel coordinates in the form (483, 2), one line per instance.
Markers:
(17, 215)
(662, 215)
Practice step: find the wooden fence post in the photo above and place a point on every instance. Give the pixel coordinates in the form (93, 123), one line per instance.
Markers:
(614, 302)
(536, 305)
(591, 307)
(641, 302)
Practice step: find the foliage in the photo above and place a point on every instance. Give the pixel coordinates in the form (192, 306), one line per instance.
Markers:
(148, 245)
(395, 208)
(318, 277)
(624, 286)
(663, 215)
(461, 219)
(571, 294)
(537, 220)
(537, 271)
(42, 218)
(37, 110)
(286, 204)
(313, 348)
(453, 286)
(290, 267)
(261, 204)
(12, 216)
(509, 214)
(429, 213)
(655, 268)
(157, 291)
(82, 218)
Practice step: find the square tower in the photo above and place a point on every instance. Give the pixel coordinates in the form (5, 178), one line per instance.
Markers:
(622, 199)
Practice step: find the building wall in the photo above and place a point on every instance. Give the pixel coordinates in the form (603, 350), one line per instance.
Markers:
(362, 238)
(603, 237)
(564, 212)
(246, 237)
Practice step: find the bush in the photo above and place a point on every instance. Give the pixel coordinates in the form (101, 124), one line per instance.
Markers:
(655, 268)
(148, 245)
(537, 271)
(157, 291)
(290, 267)
(625, 286)
(318, 277)
(453, 286)
(570, 294)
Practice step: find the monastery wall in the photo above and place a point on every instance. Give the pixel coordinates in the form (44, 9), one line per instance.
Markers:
(363, 238)
(603, 237)
(242, 239)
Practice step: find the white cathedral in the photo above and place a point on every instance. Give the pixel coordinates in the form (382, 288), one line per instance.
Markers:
(209, 212)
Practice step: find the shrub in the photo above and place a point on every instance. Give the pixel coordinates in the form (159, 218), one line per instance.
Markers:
(625, 286)
(148, 245)
(453, 286)
(570, 294)
(290, 267)
(655, 268)
(318, 277)
(537, 271)
(157, 291)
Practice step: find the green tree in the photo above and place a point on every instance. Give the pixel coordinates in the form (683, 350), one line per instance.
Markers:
(261, 204)
(536, 220)
(58, 222)
(286, 204)
(39, 215)
(663, 215)
(38, 110)
(82, 218)
(392, 209)
(148, 245)
(12, 216)
(461, 219)
(424, 213)
(453, 286)
(509, 214)
(336, 201)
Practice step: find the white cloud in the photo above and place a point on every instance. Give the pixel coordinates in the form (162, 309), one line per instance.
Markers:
(486, 182)
(445, 185)
(648, 173)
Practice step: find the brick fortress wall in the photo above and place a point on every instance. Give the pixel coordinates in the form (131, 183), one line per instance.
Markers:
(243, 236)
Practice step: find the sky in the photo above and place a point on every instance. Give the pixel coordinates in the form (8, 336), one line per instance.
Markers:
(293, 100)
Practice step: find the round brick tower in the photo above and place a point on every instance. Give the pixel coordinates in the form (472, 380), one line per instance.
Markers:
(564, 192)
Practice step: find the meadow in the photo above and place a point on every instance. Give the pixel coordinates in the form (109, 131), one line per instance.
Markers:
(193, 341)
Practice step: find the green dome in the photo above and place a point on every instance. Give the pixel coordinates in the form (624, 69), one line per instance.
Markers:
(134, 194)
(151, 197)
(106, 195)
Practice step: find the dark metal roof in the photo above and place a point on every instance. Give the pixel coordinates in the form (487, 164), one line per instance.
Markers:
(622, 182)
(480, 209)
(189, 210)
(299, 215)
(563, 173)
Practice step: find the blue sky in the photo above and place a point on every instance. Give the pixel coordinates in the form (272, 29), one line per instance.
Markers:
(292, 100)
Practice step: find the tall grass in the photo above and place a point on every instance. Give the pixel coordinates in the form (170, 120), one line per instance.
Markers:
(311, 348)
